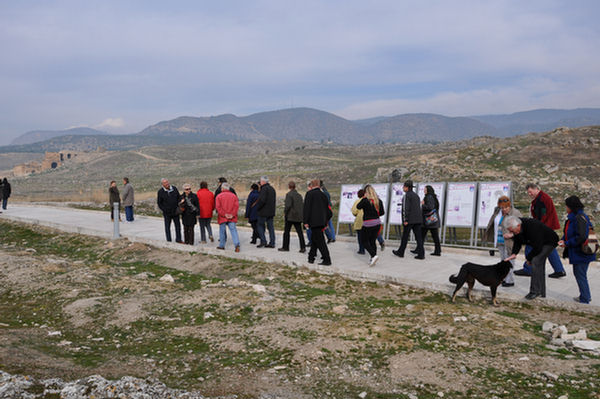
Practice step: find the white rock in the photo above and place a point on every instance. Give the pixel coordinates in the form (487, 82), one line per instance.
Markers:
(548, 326)
(564, 397)
(587, 345)
(54, 333)
(362, 395)
(524, 359)
(208, 315)
(259, 288)
(580, 336)
(410, 306)
(460, 318)
(167, 278)
(557, 342)
(279, 367)
(559, 331)
(440, 394)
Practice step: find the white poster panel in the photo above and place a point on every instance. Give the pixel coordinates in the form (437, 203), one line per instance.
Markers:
(460, 204)
(396, 203)
(349, 194)
(488, 200)
(382, 192)
(440, 191)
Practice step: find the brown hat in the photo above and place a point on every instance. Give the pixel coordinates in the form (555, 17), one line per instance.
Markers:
(504, 201)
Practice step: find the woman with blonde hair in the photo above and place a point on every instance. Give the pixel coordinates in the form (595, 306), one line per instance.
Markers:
(372, 208)
(498, 234)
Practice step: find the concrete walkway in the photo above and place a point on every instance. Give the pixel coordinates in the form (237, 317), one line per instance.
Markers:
(431, 273)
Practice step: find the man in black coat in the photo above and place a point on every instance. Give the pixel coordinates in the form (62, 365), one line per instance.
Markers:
(168, 201)
(542, 240)
(293, 213)
(412, 219)
(266, 211)
(316, 214)
(6, 191)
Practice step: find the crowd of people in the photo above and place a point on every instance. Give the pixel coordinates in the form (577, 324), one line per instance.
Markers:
(507, 229)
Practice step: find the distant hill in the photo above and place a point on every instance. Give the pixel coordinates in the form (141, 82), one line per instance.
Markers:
(307, 124)
(540, 120)
(428, 127)
(41, 135)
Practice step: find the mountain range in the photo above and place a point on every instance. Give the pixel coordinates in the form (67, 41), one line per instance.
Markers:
(308, 124)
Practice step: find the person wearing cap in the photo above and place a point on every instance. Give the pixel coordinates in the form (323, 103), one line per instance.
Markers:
(542, 208)
(412, 220)
(576, 232)
(190, 206)
(498, 233)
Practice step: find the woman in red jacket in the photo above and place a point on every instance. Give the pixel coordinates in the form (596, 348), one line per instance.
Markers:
(206, 199)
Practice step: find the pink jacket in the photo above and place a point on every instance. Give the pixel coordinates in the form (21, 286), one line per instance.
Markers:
(227, 204)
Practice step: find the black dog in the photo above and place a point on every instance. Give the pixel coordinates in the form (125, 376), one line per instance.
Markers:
(490, 276)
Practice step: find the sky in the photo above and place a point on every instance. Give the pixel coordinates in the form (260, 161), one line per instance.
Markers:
(120, 66)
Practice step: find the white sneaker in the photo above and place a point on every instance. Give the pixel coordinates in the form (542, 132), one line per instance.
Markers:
(373, 260)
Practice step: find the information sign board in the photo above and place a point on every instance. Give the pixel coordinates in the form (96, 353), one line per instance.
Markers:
(489, 193)
(460, 204)
(349, 194)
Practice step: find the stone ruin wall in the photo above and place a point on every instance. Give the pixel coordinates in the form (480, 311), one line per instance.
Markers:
(52, 160)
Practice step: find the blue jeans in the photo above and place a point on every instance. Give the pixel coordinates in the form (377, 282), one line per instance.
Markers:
(260, 227)
(580, 272)
(205, 225)
(129, 213)
(223, 234)
(553, 258)
(330, 231)
(4, 202)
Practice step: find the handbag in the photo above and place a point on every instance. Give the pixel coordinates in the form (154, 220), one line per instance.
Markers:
(590, 246)
(431, 218)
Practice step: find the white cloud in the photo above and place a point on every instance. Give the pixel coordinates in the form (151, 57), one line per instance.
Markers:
(110, 123)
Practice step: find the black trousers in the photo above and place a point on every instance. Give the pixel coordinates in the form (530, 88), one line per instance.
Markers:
(318, 242)
(175, 219)
(436, 238)
(286, 234)
(369, 239)
(188, 234)
(253, 223)
(416, 228)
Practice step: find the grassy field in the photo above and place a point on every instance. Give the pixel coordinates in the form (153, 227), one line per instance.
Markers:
(71, 306)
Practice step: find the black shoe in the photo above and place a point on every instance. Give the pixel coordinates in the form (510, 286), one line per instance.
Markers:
(302, 250)
(557, 275)
(253, 242)
(325, 263)
(283, 249)
(505, 284)
(360, 252)
(330, 240)
(260, 246)
(397, 253)
(220, 247)
(414, 251)
(269, 246)
(436, 254)
(531, 295)
(311, 261)
(419, 257)
(179, 241)
(522, 272)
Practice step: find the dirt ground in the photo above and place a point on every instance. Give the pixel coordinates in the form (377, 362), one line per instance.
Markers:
(73, 306)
